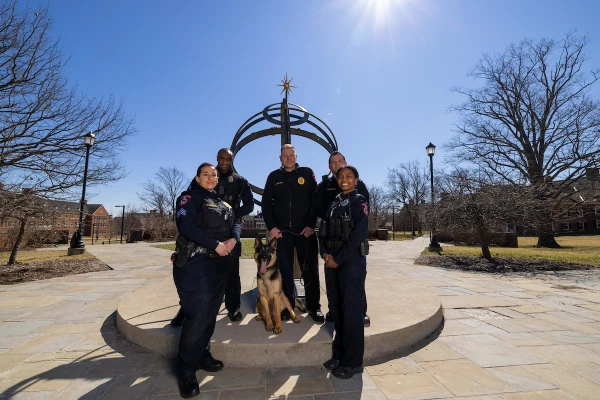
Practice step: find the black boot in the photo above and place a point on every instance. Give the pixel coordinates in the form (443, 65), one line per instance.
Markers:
(178, 320)
(211, 365)
(328, 317)
(317, 316)
(188, 386)
(346, 372)
(235, 316)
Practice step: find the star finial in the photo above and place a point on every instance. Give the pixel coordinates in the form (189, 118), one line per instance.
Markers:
(286, 85)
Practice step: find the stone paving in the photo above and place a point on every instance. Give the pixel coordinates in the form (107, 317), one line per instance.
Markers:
(517, 336)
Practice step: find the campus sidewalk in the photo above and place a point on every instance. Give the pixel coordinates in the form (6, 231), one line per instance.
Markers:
(518, 336)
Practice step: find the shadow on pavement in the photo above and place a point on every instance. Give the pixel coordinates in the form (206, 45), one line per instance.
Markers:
(122, 370)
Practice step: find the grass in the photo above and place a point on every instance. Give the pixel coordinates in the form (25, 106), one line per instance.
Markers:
(575, 249)
(400, 236)
(247, 247)
(32, 256)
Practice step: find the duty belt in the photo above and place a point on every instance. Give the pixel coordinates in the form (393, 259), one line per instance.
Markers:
(333, 244)
(203, 250)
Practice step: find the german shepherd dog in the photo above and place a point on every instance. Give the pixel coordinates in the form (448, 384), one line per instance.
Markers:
(271, 298)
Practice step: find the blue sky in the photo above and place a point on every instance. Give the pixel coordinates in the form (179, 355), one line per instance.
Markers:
(377, 71)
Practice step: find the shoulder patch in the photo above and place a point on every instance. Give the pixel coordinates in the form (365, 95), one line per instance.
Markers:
(365, 208)
(181, 212)
(183, 200)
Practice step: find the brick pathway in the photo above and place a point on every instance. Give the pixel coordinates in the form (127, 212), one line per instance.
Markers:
(517, 336)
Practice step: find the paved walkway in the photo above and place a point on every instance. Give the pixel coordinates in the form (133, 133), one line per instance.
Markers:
(505, 337)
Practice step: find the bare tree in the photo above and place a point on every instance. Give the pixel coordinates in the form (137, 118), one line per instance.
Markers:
(408, 184)
(473, 203)
(378, 207)
(161, 193)
(23, 207)
(534, 120)
(43, 118)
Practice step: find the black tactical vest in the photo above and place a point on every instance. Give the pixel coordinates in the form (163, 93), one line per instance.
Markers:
(229, 189)
(215, 218)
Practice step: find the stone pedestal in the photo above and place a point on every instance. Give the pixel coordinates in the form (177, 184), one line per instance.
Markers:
(74, 252)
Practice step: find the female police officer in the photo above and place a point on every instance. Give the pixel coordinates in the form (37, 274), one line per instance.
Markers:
(343, 237)
(208, 232)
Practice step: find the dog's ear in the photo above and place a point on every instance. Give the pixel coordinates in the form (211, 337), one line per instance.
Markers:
(257, 242)
(273, 243)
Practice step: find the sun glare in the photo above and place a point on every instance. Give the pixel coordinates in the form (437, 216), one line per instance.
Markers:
(383, 17)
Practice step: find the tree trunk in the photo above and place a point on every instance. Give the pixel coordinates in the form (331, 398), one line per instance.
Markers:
(483, 238)
(15, 250)
(546, 239)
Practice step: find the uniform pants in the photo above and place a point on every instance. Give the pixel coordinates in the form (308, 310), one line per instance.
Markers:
(346, 296)
(200, 285)
(307, 251)
(233, 288)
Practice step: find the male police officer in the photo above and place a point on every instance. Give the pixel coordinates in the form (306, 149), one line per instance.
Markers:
(326, 192)
(234, 190)
(289, 211)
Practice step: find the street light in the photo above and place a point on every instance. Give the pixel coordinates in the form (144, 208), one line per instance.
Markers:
(122, 222)
(77, 245)
(433, 243)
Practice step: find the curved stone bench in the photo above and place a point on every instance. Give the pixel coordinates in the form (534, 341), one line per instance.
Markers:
(402, 311)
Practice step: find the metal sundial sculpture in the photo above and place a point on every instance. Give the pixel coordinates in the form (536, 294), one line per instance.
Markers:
(288, 119)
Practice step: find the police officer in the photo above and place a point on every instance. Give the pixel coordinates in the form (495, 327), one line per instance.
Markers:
(234, 190)
(343, 237)
(289, 211)
(327, 190)
(208, 233)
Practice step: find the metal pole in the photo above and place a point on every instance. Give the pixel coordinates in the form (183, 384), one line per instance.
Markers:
(92, 230)
(433, 240)
(393, 224)
(122, 223)
(77, 241)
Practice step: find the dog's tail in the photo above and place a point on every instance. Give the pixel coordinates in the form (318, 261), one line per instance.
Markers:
(300, 306)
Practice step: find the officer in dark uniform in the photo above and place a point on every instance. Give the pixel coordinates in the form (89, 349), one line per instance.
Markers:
(234, 190)
(327, 190)
(343, 239)
(208, 233)
(289, 211)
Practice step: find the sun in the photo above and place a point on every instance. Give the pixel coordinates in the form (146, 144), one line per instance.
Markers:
(381, 17)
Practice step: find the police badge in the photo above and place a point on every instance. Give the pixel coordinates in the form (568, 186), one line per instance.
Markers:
(301, 180)
(230, 179)
(344, 203)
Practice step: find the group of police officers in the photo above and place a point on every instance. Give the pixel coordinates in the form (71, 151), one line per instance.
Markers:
(208, 250)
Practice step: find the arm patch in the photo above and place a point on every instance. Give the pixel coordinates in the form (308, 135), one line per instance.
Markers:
(184, 199)
(365, 208)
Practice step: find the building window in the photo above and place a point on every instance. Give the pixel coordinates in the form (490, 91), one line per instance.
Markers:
(566, 226)
(597, 210)
(598, 223)
(580, 226)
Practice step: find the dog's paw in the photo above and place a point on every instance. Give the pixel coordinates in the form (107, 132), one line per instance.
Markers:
(296, 320)
(258, 317)
(269, 327)
(277, 330)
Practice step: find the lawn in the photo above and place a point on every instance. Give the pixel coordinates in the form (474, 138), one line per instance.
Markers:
(33, 256)
(247, 247)
(401, 236)
(575, 249)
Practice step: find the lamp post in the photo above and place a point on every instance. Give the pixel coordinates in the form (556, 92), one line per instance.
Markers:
(122, 222)
(77, 245)
(433, 243)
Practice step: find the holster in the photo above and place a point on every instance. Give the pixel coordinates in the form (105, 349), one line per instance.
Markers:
(364, 248)
(183, 250)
